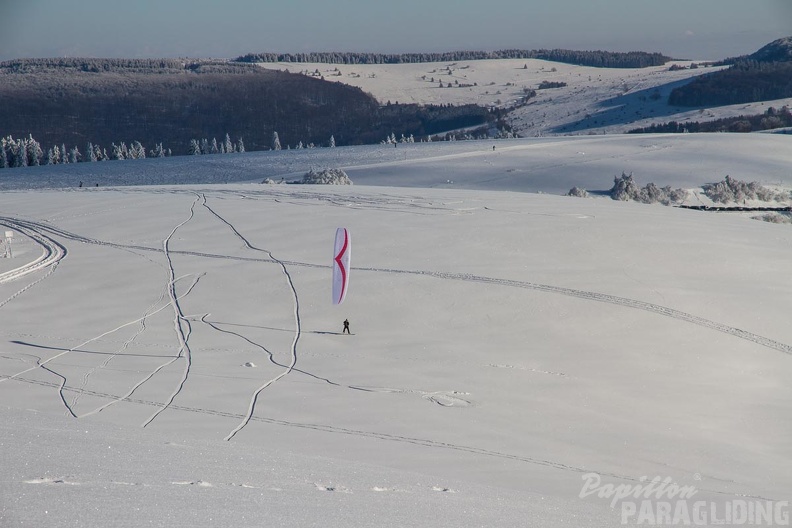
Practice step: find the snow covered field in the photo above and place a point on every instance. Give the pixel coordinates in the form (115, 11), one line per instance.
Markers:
(593, 100)
(175, 359)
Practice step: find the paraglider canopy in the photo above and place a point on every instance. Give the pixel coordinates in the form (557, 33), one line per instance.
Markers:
(341, 255)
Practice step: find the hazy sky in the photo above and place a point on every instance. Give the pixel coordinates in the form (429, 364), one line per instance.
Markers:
(697, 29)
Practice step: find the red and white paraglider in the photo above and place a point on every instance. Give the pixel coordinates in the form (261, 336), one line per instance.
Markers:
(341, 255)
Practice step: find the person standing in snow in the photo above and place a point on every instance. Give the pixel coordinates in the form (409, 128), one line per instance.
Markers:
(346, 327)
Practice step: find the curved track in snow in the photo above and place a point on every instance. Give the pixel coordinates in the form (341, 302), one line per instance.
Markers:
(424, 442)
(52, 251)
(297, 332)
(569, 292)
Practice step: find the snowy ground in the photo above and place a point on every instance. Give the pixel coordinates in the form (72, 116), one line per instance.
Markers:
(169, 354)
(594, 100)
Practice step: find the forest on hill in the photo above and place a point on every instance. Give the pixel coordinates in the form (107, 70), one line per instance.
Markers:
(765, 75)
(773, 118)
(598, 59)
(170, 102)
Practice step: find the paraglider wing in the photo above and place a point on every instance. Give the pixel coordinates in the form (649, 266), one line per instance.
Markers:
(341, 254)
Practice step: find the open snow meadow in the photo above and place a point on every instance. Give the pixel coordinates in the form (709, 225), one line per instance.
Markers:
(170, 354)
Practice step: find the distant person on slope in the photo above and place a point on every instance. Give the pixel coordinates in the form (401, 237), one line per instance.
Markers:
(346, 327)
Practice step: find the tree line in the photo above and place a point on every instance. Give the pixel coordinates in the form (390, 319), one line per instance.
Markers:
(28, 152)
(600, 59)
(747, 81)
(770, 120)
(65, 101)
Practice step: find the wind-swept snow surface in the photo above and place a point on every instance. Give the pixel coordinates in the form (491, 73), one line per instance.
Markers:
(171, 358)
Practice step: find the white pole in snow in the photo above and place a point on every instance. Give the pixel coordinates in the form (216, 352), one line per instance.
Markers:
(8, 236)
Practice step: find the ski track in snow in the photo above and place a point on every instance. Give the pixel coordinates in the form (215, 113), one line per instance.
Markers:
(127, 343)
(569, 292)
(52, 254)
(423, 442)
(179, 321)
(293, 350)
(156, 370)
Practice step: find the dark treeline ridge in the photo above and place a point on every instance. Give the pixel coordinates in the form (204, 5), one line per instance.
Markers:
(170, 102)
(425, 120)
(747, 81)
(761, 76)
(148, 66)
(94, 65)
(600, 59)
(771, 119)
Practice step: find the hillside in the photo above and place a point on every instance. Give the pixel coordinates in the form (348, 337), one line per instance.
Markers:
(362, 99)
(105, 101)
(765, 75)
(75, 102)
(171, 355)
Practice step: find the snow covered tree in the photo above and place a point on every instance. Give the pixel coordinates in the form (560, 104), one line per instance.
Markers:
(276, 145)
(74, 155)
(205, 147)
(229, 147)
(56, 155)
(157, 151)
(34, 152)
(3, 157)
(240, 146)
(90, 153)
(213, 149)
(332, 141)
(139, 150)
(20, 156)
(195, 148)
(118, 152)
(64, 154)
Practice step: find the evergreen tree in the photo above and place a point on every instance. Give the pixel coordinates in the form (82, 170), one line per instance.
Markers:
(276, 145)
(3, 156)
(158, 151)
(118, 152)
(194, 148)
(139, 150)
(332, 141)
(49, 160)
(229, 147)
(56, 155)
(90, 153)
(20, 156)
(74, 155)
(213, 149)
(64, 154)
(240, 145)
(205, 147)
(34, 151)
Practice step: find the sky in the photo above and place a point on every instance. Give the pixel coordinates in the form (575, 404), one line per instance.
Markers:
(698, 29)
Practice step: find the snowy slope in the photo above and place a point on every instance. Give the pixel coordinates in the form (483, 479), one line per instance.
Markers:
(594, 100)
(179, 361)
